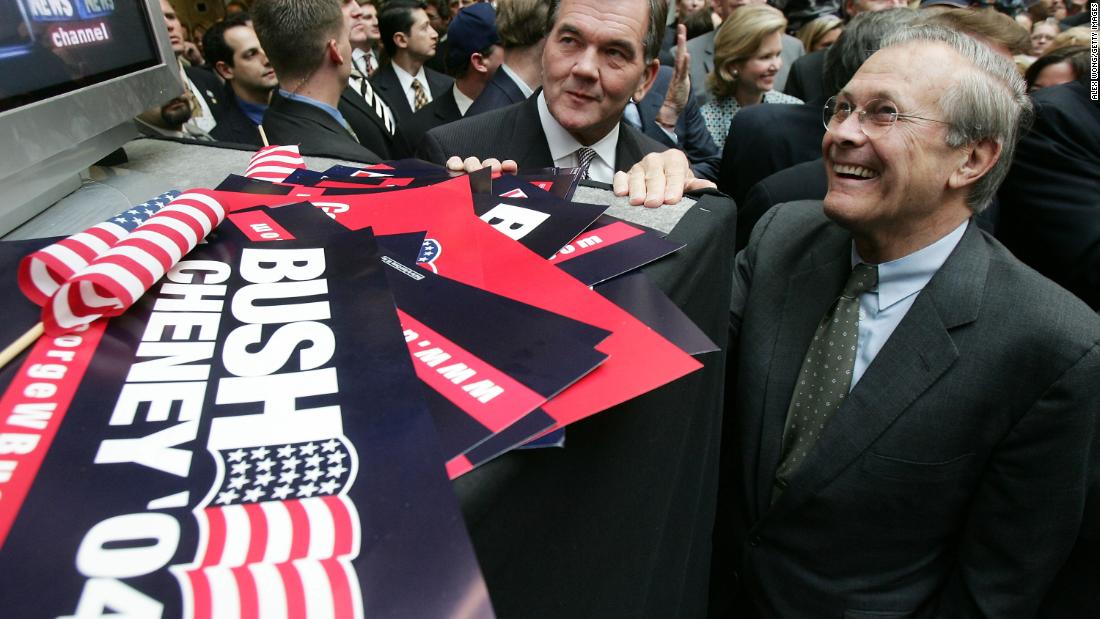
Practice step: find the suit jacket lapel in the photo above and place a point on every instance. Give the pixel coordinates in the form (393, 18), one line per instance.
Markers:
(527, 123)
(918, 352)
(811, 290)
(387, 85)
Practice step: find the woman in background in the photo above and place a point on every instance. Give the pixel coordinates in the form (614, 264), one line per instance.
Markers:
(746, 60)
(821, 32)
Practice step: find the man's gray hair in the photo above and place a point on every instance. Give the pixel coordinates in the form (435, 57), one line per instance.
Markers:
(294, 33)
(860, 38)
(655, 29)
(989, 103)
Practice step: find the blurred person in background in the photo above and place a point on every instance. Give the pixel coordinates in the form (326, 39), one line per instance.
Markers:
(1042, 36)
(746, 61)
(821, 32)
(1058, 66)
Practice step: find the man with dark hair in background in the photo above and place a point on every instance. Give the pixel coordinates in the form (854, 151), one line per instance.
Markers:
(598, 54)
(439, 16)
(370, 117)
(307, 43)
(522, 27)
(409, 39)
(234, 52)
(473, 57)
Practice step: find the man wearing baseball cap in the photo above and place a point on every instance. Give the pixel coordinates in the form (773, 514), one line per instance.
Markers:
(473, 56)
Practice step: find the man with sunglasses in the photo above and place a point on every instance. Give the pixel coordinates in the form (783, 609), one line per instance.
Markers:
(912, 407)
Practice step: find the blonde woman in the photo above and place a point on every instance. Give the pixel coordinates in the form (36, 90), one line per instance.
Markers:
(820, 33)
(746, 61)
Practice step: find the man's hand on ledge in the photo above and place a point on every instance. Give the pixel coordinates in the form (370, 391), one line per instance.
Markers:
(659, 178)
(473, 164)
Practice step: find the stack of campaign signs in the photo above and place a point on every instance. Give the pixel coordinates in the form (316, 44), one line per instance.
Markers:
(268, 430)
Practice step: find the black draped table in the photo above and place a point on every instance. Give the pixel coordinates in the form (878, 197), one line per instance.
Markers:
(618, 523)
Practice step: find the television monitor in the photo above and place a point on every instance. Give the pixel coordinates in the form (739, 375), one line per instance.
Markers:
(73, 74)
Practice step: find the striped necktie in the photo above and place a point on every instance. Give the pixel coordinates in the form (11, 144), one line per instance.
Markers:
(585, 156)
(362, 85)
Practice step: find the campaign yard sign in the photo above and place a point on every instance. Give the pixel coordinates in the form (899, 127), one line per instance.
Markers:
(248, 440)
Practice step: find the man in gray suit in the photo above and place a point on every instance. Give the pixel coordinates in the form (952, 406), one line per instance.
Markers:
(701, 49)
(913, 406)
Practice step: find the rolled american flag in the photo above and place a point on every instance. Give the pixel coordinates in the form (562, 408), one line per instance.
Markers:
(103, 270)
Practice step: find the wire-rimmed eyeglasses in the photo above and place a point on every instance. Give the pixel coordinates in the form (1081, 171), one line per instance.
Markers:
(876, 119)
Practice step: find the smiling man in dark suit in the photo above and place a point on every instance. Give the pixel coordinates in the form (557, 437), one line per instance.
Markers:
(596, 57)
(912, 406)
(307, 43)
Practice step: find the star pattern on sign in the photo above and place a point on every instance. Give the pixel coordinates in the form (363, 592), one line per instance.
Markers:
(284, 472)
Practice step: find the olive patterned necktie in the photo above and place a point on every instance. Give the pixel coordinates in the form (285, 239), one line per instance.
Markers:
(826, 374)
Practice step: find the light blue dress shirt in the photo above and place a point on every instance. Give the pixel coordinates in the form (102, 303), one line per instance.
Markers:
(899, 281)
(335, 113)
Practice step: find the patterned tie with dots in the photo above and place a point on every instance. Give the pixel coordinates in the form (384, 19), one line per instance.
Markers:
(826, 374)
(585, 156)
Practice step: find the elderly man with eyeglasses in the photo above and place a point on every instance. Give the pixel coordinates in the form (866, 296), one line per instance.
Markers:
(913, 407)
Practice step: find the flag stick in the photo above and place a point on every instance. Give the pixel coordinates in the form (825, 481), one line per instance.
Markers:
(16, 347)
(263, 136)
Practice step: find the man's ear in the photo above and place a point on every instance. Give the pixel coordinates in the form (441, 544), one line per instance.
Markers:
(224, 70)
(648, 77)
(477, 63)
(980, 158)
(401, 40)
(332, 50)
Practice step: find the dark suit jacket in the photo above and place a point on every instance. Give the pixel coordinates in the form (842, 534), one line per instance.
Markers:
(233, 125)
(692, 136)
(807, 78)
(804, 181)
(951, 482)
(440, 111)
(765, 139)
(385, 83)
(500, 92)
(210, 87)
(1050, 201)
(314, 130)
(369, 127)
(515, 132)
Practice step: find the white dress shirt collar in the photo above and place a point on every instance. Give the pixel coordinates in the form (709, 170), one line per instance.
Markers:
(908, 275)
(563, 146)
(522, 85)
(461, 100)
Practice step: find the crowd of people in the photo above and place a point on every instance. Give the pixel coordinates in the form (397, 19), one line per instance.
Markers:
(912, 411)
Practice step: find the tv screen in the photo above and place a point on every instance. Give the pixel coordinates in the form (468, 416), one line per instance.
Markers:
(50, 47)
